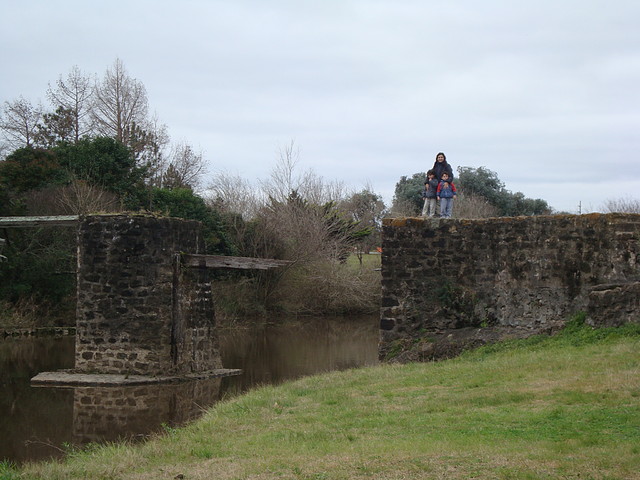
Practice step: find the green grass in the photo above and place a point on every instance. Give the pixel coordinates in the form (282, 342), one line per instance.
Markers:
(545, 408)
(368, 260)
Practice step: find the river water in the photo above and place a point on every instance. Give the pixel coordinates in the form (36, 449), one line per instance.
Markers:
(37, 423)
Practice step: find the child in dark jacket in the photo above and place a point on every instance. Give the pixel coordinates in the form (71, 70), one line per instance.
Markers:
(429, 194)
(446, 193)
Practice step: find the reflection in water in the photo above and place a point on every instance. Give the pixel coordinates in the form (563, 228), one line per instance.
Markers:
(273, 353)
(34, 421)
(37, 421)
(110, 413)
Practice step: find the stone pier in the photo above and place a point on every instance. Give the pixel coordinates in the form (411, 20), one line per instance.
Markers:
(451, 284)
(143, 315)
(139, 312)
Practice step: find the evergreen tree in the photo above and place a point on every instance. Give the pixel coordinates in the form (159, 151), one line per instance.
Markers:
(474, 182)
(485, 183)
(407, 198)
(103, 162)
(183, 203)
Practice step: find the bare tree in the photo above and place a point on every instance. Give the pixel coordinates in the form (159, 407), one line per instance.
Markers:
(300, 212)
(19, 122)
(283, 180)
(74, 94)
(299, 231)
(468, 205)
(77, 198)
(233, 194)
(155, 157)
(317, 190)
(120, 105)
(81, 198)
(295, 217)
(185, 168)
(622, 205)
(239, 203)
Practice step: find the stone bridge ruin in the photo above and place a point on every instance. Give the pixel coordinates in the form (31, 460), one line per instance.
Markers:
(452, 284)
(139, 311)
(145, 311)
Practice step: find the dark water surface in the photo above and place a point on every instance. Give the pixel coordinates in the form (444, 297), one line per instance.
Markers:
(42, 422)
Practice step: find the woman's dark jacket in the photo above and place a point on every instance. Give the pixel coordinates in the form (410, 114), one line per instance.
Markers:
(440, 168)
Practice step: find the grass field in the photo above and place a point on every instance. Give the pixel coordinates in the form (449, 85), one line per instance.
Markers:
(565, 407)
(372, 260)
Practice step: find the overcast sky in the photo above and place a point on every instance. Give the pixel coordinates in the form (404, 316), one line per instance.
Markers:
(545, 93)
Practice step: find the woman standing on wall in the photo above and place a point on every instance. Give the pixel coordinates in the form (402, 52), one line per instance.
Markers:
(441, 166)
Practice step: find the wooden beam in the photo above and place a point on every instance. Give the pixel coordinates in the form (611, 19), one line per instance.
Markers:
(53, 221)
(221, 261)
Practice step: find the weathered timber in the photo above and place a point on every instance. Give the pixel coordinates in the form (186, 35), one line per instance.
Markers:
(220, 261)
(52, 221)
(70, 378)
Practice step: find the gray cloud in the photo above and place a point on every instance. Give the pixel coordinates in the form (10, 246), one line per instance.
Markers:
(545, 94)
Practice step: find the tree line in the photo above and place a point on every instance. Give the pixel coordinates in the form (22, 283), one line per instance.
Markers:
(116, 106)
(97, 149)
(480, 194)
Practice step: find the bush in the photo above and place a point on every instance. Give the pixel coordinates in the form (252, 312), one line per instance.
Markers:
(40, 265)
(183, 203)
(468, 205)
(622, 205)
(326, 287)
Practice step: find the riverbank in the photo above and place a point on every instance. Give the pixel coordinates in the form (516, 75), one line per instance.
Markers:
(547, 407)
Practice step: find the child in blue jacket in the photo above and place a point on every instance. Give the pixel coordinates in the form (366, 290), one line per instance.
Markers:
(446, 193)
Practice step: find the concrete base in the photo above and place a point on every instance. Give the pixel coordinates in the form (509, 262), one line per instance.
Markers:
(68, 378)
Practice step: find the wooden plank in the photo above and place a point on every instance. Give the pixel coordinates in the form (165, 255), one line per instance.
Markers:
(66, 378)
(221, 261)
(51, 221)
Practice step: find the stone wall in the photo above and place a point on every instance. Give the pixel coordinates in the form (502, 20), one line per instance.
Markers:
(482, 280)
(138, 311)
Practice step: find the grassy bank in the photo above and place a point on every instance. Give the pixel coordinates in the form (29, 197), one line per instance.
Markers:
(546, 408)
